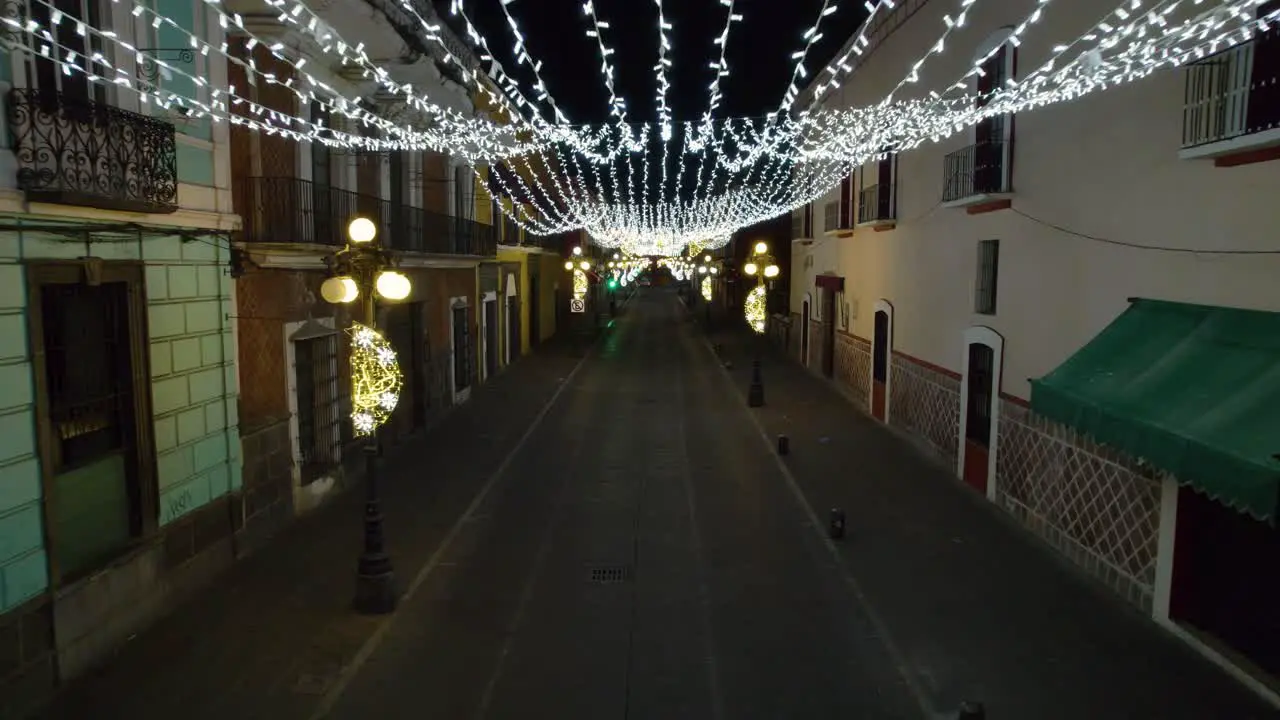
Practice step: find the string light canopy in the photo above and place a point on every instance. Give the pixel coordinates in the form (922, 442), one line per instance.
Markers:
(645, 188)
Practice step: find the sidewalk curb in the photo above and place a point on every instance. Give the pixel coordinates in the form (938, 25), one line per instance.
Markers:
(913, 683)
(371, 644)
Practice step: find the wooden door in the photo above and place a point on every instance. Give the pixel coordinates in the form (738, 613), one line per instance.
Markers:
(804, 335)
(977, 435)
(828, 332)
(880, 364)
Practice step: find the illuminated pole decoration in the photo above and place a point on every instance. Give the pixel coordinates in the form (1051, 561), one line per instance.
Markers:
(363, 270)
(761, 265)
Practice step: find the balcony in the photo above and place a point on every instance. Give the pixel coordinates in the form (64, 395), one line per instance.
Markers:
(1231, 103)
(876, 207)
(293, 211)
(74, 151)
(976, 174)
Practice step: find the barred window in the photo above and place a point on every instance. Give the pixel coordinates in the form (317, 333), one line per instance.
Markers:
(319, 412)
(984, 301)
(462, 364)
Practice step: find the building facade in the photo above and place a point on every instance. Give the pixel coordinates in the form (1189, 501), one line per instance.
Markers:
(1070, 308)
(296, 200)
(120, 473)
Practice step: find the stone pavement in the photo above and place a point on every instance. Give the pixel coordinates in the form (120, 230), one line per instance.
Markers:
(270, 637)
(642, 559)
(977, 606)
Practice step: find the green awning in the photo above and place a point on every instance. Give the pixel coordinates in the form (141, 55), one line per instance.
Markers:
(1191, 389)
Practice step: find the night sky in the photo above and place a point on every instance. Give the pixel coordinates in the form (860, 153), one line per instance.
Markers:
(759, 53)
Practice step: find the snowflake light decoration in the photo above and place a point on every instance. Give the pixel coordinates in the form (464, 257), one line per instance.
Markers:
(376, 380)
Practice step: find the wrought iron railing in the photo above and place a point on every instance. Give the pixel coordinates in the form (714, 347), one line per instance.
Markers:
(975, 170)
(875, 203)
(292, 210)
(1221, 100)
(74, 151)
(831, 216)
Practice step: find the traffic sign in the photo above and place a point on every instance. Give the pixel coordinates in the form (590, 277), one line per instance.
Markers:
(577, 305)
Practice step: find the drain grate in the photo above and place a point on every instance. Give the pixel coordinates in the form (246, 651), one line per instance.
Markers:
(608, 574)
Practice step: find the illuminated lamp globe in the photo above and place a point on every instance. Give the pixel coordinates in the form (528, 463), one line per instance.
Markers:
(568, 264)
(706, 258)
(749, 268)
(339, 290)
(577, 250)
(771, 271)
(584, 265)
(393, 285)
(362, 230)
(762, 247)
(714, 269)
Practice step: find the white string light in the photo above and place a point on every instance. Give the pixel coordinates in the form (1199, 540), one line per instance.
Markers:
(745, 172)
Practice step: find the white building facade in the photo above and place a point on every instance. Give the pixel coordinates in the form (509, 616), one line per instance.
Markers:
(939, 284)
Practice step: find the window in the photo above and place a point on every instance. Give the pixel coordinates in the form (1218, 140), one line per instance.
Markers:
(45, 74)
(315, 367)
(984, 300)
(461, 349)
(878, 201)
(993, 135)
(846, 202)
(100, 492)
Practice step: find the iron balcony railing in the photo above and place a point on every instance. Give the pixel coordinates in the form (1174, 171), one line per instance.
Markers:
(975, 170)
(292, 210)
(75, 151)
(831, 216)
(1226, 96)
(875, 203)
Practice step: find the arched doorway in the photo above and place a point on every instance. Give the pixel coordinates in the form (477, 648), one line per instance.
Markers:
(881, 365)
(979, 408)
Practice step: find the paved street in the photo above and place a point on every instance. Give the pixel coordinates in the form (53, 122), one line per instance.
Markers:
(638, 551)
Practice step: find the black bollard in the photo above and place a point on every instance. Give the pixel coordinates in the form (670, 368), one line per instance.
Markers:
(755, 393)
(970, 710)
(784, 444)
(836, 528)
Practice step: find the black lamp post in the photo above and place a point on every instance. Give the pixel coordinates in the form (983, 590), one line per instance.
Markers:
(360, 271)
(762, 265)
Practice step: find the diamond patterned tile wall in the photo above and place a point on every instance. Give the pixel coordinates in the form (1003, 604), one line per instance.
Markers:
(1090, 502)
(853, 366)
(926, 402)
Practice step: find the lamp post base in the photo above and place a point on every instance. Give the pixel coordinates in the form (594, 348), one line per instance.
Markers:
(375, 580)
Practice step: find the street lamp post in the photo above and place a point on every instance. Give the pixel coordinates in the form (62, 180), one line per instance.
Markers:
(359, 271)
(761, 265)
(708, 270)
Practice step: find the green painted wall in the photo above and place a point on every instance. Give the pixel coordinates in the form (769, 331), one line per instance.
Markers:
(23, 567)
(192, 365)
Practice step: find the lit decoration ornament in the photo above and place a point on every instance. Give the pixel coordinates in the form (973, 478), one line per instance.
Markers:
(580, 284)
(375, 379)
(706, 288)
(754, 308)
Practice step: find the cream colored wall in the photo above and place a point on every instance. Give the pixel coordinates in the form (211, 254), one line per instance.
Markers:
(1106, 165)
